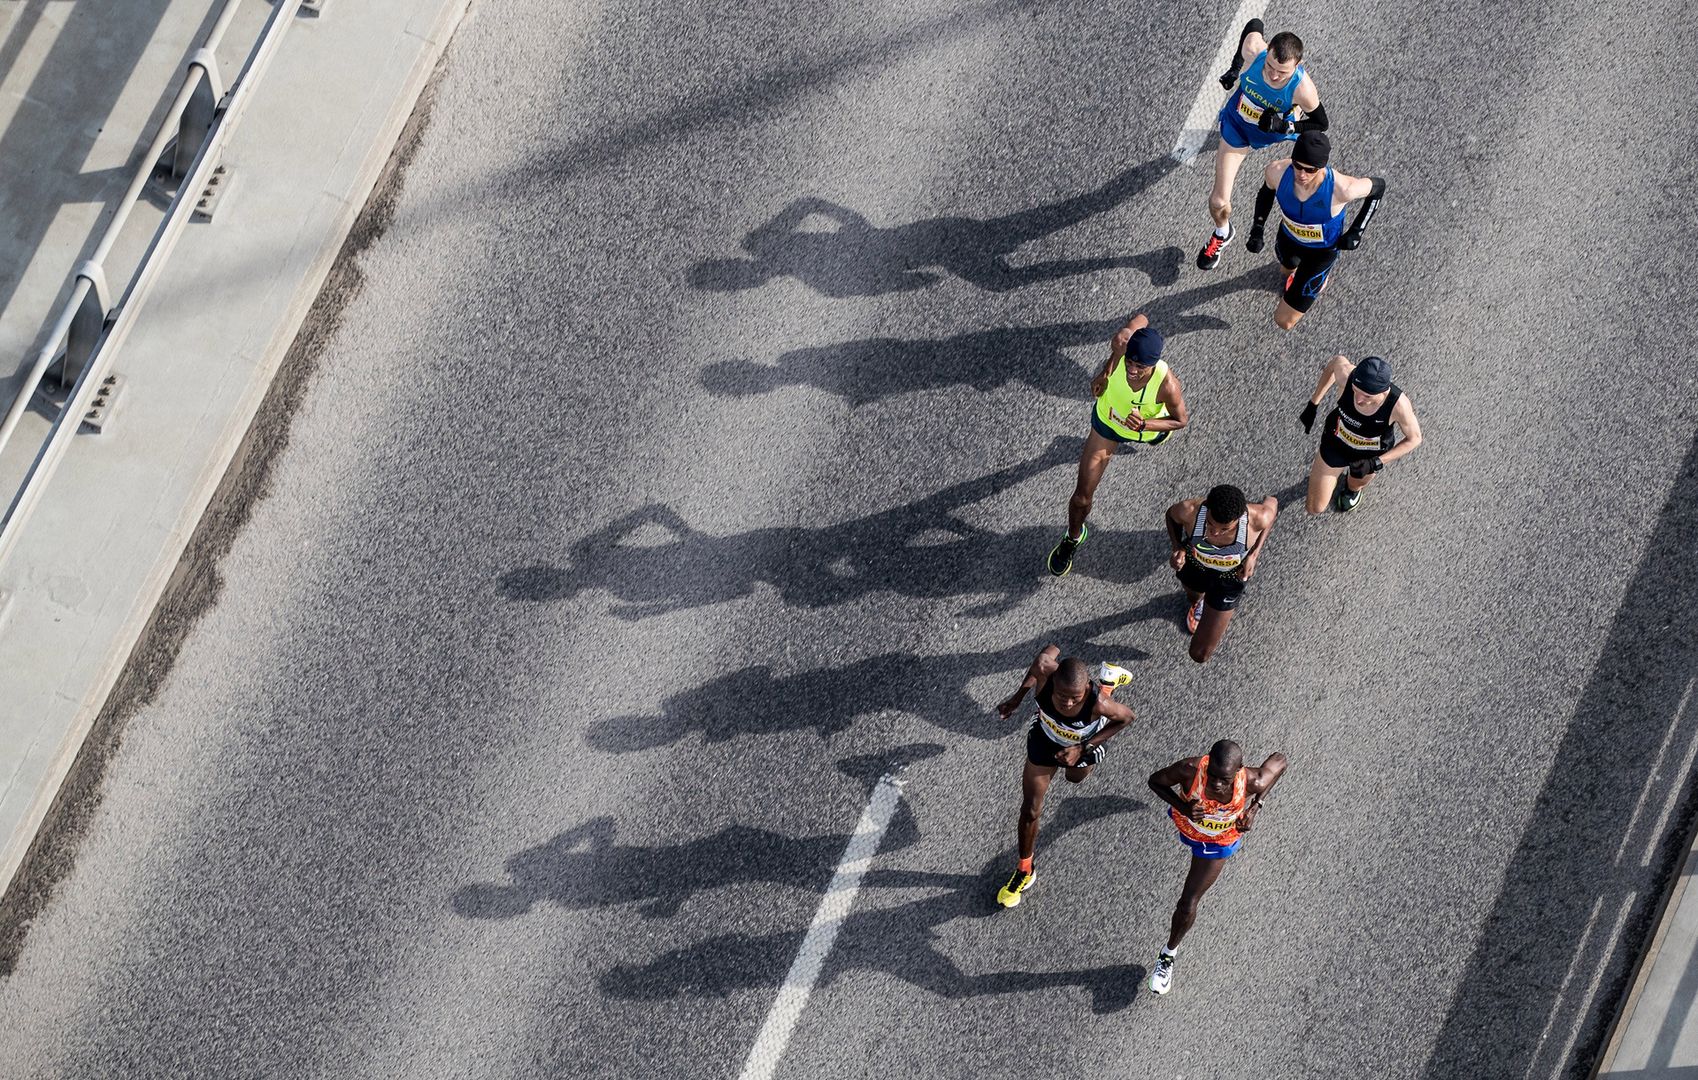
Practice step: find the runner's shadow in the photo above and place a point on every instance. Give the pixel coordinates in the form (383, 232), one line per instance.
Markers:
(654, 562)
(901, 941)
(873, 369)
(755, 701)
(857, 258)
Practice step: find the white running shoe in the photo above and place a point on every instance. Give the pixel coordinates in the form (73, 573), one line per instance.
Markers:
(1161, 979)
(1112, 676)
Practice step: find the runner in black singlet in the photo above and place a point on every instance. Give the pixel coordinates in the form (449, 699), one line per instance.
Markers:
(1076, 715)
(1216, 541)
(1357, 437)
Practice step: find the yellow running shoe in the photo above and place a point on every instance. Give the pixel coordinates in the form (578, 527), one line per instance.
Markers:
(1018, 882)
(1112, 676)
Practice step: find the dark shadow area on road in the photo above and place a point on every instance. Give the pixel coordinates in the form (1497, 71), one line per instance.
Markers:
(755, 701)
(654, 562)
(857, 258)
(873, 369)
(1562, 864)
(901, 940)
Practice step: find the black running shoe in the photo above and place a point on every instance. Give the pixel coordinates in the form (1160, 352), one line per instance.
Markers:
(1209, 257)
(1346, 500)
(1061, 555)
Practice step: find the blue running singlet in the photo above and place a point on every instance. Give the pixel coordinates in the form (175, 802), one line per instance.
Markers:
(1243, 110)
(1310, 222)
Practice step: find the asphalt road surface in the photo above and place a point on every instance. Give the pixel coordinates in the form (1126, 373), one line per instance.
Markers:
(682, 456)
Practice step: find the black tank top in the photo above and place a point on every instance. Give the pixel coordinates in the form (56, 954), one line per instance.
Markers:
(1068, 730)
(1364, 434)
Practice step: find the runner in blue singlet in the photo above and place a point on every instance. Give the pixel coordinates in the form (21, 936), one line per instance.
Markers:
(1312, 197)
(1270, 91)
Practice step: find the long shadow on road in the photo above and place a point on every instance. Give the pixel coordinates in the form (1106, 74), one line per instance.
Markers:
(754, 701)
(857, 258)
(1565, 873)
(654, 562)
(873, 369)
(585, 867)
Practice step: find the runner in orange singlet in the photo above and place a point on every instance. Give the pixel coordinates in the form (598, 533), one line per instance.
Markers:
(1213, 800)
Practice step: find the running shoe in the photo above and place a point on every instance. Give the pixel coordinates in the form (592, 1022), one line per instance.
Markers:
(1112, 676)
(1209, 257)
(1018, 882)
(1161, 979)
(1345, 500)
(1061, 556)
(1193, 617)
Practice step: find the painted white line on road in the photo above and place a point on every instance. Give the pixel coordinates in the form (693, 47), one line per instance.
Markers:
(1210, 97)
(1669, 732)
(1556, 1003)
(834, 909)
(1676, 791)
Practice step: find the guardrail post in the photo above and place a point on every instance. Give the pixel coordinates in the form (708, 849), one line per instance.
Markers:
(88, 324)
(199, 114)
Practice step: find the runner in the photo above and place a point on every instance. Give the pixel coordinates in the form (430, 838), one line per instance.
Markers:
(1076, 715)
(1312, 197)
(1138, 401)
(1213, 801)
(1216, 541)
(1357, 437)
(1257, 114)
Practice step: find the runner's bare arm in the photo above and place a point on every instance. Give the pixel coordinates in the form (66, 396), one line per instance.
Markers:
(1307, 97)
(1262, 516)
(1275, 170)
(1117, 352)
(1258, 786)
(1171, 394)
(1168, 782)
(1043, 666)
(1403, 414)
(1250, 35)
(1348, 189)
(1178, 520)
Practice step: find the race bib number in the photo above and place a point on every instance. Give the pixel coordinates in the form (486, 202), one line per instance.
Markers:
(1355, 441)
(1308, 234)
(1218, 562)
(1215, 825)
(1248, 111)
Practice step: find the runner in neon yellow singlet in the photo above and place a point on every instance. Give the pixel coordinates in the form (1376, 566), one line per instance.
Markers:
(1138, 400)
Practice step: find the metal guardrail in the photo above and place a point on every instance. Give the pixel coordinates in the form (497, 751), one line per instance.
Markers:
(185, 150)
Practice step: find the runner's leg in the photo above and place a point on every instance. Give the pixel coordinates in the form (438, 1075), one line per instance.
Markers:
(1202, 874)
(1034, 785)
(1228, 160)
(1323, 479)
(1209, 632)
(1093, 460)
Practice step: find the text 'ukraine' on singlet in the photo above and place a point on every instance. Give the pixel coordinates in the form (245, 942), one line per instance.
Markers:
(1120, 402)
(1065, 730)
(1222, 558)
(1359, 432)
(1254, 96)
(1220, 819)
(1310, 221)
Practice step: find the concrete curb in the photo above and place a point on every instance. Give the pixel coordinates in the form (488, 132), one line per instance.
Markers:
(326, 229)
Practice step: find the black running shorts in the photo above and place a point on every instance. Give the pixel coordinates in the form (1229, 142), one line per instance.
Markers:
(1312, 266)
(1220, 591)
(1041, 750)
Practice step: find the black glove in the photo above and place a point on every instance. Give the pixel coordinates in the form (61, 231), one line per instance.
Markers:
(1274, 122)
(1373, 465)
(1254, 243)
(1350, 241)
(1230, 79)
(1308, 416)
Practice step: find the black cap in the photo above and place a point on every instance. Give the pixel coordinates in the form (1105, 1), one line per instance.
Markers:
(1313, 148)
(1145, 347)
(1372, 375)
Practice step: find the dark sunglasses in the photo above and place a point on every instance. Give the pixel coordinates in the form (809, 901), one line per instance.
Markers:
(1302, 168)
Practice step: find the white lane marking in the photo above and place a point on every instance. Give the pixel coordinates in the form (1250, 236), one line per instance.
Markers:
(1669, 733)
(1676, 791)
(1556, 1004)
(1592, 986)
(1210, 97)
(834, 909)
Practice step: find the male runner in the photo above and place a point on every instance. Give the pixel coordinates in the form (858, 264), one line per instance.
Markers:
(1357, 437)
(1216, 541)
(1138, 400)
(1312, 197)
(1213, 802)
(1076, 715)
(1258, 114)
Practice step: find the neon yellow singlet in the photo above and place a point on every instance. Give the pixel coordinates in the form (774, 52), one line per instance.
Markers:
(1119, 400)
